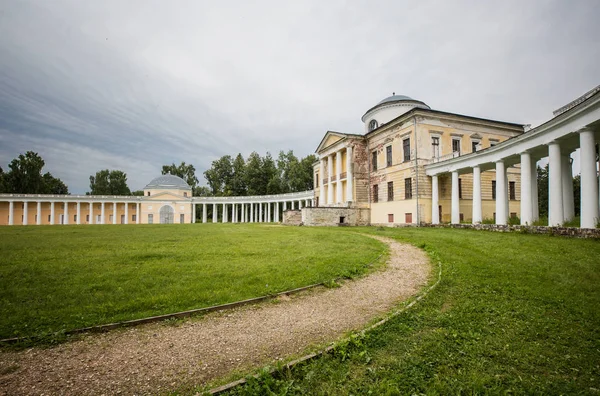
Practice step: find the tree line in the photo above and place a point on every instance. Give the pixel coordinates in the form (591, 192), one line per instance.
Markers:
(227, 176)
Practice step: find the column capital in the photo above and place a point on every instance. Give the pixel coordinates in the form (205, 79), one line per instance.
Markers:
(553, 142)
(584, 129)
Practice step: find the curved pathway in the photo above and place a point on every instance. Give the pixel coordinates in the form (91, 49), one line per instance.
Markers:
(160, 357)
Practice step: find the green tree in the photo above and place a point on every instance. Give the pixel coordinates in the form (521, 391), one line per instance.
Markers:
(3, 188)
(185, 171)
(301, 178)
(270, 175)
(107, 182)
(25, 177)
(542, 185)
(256, 184)
(138, 193)
(238, 180)
(219, 176)
(202, 191)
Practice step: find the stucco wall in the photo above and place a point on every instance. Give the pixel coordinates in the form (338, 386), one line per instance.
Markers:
(331, 216)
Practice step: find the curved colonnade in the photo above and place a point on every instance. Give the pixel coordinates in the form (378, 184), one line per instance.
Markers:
(576, 126)
(29, 209)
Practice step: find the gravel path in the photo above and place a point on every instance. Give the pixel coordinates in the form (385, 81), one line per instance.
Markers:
(159, 357)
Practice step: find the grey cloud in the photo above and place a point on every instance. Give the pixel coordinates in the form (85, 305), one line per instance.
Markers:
(137, 84)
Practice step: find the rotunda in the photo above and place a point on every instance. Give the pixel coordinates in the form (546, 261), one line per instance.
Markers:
(388, 109)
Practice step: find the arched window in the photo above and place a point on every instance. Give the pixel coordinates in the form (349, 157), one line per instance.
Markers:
(373, 125)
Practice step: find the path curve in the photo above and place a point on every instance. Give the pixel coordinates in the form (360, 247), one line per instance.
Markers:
(160, 357)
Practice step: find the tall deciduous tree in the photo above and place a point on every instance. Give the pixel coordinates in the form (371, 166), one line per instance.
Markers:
(238, 178)
(219, 176)
(107, 182)
(25, 177)
(186, 171)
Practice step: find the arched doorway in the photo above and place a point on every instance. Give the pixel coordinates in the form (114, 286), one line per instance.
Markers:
(166, 215)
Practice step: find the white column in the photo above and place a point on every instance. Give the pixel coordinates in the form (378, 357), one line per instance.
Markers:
(78, 212)
(567, 188)
(589, 181)
(501, 195)
(38, 219)
(137, 213)
(526, 185)
(293, 205)
(52, 213)
(338, 185)
(225, 218)
(555, 195)
(535, 209)
(66, 213)
(455, 219)
(215, 216)
(204, 219)
(285, 205)
(243, 212)
(114, 213)
(322, 190)
(260, 216)
(277, 212)
(233, 213)
(477, 214)
(330, 183)
(269, 213)
(91, 212)
(252, 212)
(11, 213)
(126, 213)
(102, 220)
(349, 175)
(25, 212)
(193, 212)
(435, 200)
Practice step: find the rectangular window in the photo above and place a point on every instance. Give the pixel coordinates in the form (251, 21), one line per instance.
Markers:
(459, 188)
(390, 191)
(456, 146)
(133, 217)
(185, 194)
(390, 218)
(181, 218)
(435, 146)
(406, 149)
(408, 188)
(98, 219)
(374, 160)
(493, 189)
(474, 145)
(512, 191)
(408, 218)
(317, 180)
(150, 218)
(87, 218)
(75, 218)
(49, 218)
(388, 155)
(375, 193)
(122, 219)
(110, 218)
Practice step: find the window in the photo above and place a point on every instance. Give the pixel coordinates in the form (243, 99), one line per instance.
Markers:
(406, 149)
(390, 218)
(87, 218)
(456, 146)
(150, 218)
(474, 145)
(493, 142)
(373, 125)
(342, 219)
(110, 218)
(75, 218)
(512, 190)
(122, 219)
(459, 188)
(148, 193)
(185, 194)
(408, 188)
(408, 218)
(493, 189)
(375, 193)
(49, 218)
(317, 180)
(435, 146)
(374, 160)
(98, 219)
(133, 217)
(181, 218)
(388, 155)
(390, 191)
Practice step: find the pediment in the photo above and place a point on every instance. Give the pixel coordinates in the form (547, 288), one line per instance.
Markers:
(330, 139)
(166, 196)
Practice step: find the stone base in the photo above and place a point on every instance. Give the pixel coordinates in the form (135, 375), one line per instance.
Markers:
(561, 231)
(292, 217)
(334, 216)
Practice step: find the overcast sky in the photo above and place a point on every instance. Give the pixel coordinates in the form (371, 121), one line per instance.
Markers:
(133, 85)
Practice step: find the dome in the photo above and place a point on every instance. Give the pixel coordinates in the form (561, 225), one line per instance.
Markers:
(168, 182)
(395, 98)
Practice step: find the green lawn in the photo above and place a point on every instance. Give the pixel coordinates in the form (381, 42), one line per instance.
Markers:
(55, 278)
(514, 314)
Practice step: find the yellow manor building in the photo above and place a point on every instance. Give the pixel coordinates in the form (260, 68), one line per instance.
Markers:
(383, 169)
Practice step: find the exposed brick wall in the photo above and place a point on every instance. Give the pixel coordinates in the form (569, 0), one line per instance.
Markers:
(331, 216)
